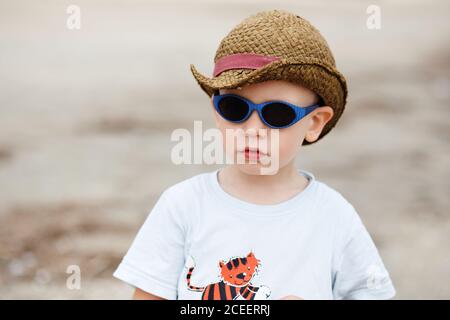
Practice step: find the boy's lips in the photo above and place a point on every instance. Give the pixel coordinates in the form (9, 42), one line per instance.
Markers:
(253, 153)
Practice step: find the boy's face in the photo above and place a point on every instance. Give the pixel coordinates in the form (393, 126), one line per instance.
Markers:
(256, 135)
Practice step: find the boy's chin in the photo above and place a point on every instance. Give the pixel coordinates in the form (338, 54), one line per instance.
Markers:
(256, 169)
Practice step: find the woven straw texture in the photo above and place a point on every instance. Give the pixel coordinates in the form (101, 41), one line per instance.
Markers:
(305, 59)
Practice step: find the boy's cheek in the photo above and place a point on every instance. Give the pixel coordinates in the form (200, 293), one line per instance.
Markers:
(290, 141)
(286, 152)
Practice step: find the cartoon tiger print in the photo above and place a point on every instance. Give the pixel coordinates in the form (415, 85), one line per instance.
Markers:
(235, 275)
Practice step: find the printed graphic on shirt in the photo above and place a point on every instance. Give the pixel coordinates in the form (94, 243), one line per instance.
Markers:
(235, 277)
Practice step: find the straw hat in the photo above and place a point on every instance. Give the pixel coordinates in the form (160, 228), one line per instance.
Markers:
(277, 45)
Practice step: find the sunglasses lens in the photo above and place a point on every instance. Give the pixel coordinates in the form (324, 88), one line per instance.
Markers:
(233, 108)
(278, 115)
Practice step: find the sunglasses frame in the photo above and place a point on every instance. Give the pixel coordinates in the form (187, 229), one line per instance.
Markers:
(300, 112)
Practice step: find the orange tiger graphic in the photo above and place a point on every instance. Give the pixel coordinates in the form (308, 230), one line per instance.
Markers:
(235, 275)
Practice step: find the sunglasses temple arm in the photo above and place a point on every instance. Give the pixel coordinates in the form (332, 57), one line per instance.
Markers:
(306, 110)
(309, 109)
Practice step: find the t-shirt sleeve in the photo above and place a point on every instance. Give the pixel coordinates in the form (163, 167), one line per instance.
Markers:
(156, 257)
(360, 272)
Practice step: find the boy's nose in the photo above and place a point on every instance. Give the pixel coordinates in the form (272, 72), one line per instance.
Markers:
(254, 124)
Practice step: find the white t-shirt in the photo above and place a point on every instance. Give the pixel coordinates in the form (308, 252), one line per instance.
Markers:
(199, 242)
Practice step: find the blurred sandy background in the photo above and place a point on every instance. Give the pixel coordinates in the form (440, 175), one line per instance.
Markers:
(86, 117)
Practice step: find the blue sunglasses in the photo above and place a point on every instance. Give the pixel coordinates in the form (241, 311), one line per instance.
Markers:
(275, 114)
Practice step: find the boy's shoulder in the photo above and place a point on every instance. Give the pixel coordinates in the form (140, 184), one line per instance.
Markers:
(189, 187)
(334, 202)
(326, 192)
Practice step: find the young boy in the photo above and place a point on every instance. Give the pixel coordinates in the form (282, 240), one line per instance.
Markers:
(236, 233)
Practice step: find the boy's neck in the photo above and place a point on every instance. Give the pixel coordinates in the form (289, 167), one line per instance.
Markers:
(263, 189)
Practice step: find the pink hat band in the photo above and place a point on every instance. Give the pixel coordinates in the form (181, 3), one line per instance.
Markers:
(242, 61)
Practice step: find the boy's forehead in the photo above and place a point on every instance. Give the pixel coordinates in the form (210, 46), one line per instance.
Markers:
(274, 90)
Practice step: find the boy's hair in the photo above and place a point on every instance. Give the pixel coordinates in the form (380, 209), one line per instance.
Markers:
(278, 45)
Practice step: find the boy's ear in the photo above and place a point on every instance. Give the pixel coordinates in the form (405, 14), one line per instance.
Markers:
(319, 119)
